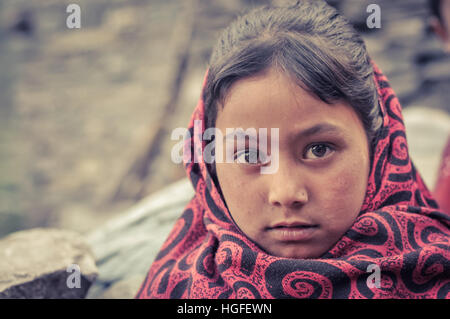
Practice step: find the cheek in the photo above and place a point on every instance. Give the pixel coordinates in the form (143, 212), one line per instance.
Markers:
(242, 198)
(342, 190)
(239, 194)
(229, 179)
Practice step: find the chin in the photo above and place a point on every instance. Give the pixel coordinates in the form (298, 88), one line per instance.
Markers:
(298, 254)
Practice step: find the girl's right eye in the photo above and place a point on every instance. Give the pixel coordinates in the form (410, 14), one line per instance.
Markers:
(249, 157)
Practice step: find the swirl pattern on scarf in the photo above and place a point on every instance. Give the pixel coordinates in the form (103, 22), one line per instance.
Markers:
(399, 229)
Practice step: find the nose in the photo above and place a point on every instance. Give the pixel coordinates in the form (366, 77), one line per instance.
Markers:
(288, 188)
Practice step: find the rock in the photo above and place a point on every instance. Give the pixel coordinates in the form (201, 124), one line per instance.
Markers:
(126, 246)
(124, 289)
(406, 84)
(427, 130)
(45, 263)
(437, 71)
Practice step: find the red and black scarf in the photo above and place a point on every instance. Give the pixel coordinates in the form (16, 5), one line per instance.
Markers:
(399, 229)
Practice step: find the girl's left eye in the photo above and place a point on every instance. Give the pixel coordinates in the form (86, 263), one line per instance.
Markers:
(316, 151)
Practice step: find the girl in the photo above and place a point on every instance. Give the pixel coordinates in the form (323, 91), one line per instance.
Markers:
(345, 200)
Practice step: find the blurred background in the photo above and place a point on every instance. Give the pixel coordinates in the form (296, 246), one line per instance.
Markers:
(86, 114)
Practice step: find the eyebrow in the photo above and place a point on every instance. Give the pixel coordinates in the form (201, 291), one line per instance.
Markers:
(320, 128)
(316, 129)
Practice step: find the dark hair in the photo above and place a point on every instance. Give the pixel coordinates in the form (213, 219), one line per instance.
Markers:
(435, 8)
(309, 41)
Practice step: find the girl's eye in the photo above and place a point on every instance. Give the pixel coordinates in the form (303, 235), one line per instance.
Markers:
(316, 151)
(249, 157)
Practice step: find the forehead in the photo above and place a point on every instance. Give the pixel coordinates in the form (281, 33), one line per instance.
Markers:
(274, 100)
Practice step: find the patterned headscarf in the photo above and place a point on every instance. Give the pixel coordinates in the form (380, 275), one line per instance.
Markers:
(399, 230)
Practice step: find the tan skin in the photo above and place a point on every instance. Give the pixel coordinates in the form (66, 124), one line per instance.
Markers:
(314, 197)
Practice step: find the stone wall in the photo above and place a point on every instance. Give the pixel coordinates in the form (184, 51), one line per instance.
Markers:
(46, 263)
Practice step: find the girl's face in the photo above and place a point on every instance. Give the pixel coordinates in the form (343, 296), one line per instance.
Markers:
(302, 209)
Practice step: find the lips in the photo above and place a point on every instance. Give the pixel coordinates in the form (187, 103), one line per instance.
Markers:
(292, 231)
(292, 225)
